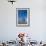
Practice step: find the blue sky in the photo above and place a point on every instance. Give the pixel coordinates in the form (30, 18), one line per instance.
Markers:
(22, 13)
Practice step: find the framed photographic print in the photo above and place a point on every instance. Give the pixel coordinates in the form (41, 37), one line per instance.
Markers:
(22, 17)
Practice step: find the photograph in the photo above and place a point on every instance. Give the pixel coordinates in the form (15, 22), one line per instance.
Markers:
(22, 17)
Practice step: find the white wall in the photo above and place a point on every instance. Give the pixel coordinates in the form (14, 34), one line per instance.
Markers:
(39, 19)
(8, 29)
